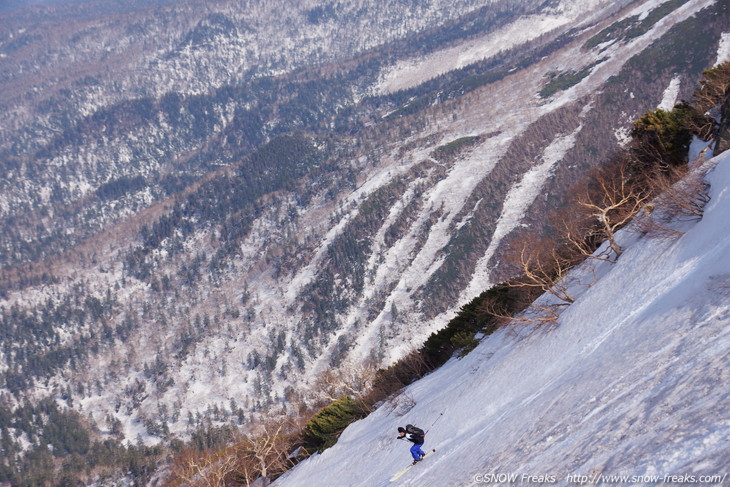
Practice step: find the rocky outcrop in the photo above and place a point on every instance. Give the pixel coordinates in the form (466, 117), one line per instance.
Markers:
(723, 133)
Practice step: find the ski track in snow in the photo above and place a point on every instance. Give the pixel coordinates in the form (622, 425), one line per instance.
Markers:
(633, 381)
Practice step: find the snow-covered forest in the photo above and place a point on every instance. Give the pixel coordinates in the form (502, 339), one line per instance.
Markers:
(216, 213)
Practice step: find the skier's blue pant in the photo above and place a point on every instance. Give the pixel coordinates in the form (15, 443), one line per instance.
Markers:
(416, 451)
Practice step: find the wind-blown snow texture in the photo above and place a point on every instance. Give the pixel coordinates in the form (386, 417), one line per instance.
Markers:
(632, 382)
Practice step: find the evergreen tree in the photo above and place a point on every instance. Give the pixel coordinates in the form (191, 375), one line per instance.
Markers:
(322, 431)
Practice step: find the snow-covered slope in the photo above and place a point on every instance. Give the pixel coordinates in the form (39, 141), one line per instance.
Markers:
(633, 382)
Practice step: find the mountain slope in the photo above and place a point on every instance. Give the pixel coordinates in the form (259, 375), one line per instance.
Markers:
(199, 215)
(632, 383)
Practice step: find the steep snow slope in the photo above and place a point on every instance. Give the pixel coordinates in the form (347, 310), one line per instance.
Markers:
(633, 382)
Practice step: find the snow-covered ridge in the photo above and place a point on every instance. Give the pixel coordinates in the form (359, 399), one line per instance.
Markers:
(630, 388)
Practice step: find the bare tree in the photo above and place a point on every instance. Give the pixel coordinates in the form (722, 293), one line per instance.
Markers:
(544, 266)
(354, 380)
(252, 459)
(205, 469)
(712, 93)
(533, 314)
(268, 451)
(714, 87)
(392, 379)
(612, 198)
(579, 233)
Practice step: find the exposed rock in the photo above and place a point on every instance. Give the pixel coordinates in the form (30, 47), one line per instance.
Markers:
(723, 133)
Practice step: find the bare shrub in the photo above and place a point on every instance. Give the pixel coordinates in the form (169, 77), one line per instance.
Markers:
(412, 366)
(578, 232)
(707, 99)
(267, 452)
(388, 381)
(683, 200)
(253, 459)
(686, 199)
(209, 468)
(353, 380)
(714, 87)
(348, 379)
(534, 314)
(651, 225)
(543, 264)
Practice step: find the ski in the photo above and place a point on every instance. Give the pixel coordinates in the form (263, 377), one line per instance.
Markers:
(403, 472)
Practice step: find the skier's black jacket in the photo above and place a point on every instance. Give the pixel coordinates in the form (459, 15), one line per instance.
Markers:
(414, 434)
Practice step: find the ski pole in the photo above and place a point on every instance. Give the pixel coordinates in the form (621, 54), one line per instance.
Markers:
(429, 428)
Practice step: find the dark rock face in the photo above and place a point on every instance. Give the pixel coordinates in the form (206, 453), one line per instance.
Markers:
(723, 134)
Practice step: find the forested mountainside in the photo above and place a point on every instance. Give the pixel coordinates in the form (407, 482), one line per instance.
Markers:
(205, 205)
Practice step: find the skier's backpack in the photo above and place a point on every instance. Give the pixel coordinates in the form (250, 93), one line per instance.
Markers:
(414, 430)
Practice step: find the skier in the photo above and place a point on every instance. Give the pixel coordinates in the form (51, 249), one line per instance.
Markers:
(416, 435)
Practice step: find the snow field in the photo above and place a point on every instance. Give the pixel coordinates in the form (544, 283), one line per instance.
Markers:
(633, 382)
